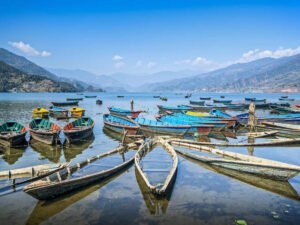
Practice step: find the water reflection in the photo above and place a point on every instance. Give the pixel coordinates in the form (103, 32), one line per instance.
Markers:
(51, 152)
(157, 205)
(11, 155)
(71, 151)
(278, 187)
(47, 209)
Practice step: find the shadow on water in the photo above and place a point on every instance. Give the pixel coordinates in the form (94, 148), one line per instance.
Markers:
(156, 205)
(278, 187)
(71, 151)
(47, 209)
(51, 152)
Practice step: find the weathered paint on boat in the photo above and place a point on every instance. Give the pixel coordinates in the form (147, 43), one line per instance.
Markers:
(58, 112)
(120, 124)
(282, 125)
(12, 134)
(160, 189)
(44, 131)
(243, 163)
(124, 112)
(79, 130)
(55, 184)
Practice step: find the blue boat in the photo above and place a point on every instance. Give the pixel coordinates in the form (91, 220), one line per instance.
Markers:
(120, 124)
(217, 125)
(219, 113)
(179, 108)
(274, 118)
(158, 127)
(222, 101)
(124, 112)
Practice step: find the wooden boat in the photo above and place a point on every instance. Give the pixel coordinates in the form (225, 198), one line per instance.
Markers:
(209, 107)
(243, 118)
(282, 125)
(157, 127)
(68, 103)
(163, 99)
(79, 130)
(12, 134)
(282, 188)
(120, 124)
(90, 96)
(58, 112)
(81, 174)
(124, 112)
(33, 173)
(222, 96)
(296, 106)
(221, 101)
(250, 99)
(236, 106)
(255, 100)
(179, 108)
(284, 96)
(243, 163)
(99, 102)
(40, 113)
(74, 99)
(276, 142)
(44, 131)
(191, 113)
(194, 102)
(156, 188)
(77, 112)
(285, 109)
(156, 96)
(205, 98)
(120, 96)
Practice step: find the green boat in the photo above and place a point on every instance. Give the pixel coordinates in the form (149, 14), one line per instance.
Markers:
(12, 134)
(79, 130)
(44, 131)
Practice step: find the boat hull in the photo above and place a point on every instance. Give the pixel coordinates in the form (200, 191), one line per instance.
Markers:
(121, 129)
(13, 141)
(45, 137)
(78, 135)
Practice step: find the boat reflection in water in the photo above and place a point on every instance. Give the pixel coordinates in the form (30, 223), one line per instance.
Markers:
(47, 209)
(71, 151)
(51, 152)
(12, 155)
(283, 188)
(157, 205)
(117, 136)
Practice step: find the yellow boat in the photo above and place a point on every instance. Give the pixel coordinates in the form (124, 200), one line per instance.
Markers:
(40, 112)
(77, 112)
(197, 114)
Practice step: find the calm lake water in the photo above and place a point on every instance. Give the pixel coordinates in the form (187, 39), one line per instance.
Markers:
(201, 194)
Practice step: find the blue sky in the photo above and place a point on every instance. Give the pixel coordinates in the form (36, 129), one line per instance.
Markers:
(147, 36)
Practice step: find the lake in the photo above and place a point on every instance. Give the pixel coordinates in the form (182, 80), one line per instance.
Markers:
(200, 194)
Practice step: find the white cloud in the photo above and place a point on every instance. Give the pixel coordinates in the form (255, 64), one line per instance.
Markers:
(117, 58)
(29, 50)
(151, 65)
(197, 62)
(119, 64)
(258, 54)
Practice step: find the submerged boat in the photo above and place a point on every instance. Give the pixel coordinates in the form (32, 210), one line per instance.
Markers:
(74, 99)
(40, 113)
(77, 112)
(44, 131)
(58, 112)
(124, 112)
(67, 103)
(194, 102)
(81, 174)
(158, 188)
(12, 134)
(158, 127)
(120, 124)
(222, 101)
(243, 163)
(79, 130)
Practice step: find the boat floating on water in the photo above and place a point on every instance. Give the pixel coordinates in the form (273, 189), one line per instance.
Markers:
(120, 124)
(77, 112)
(44, 131)
(79, 130)
(58, 112)
(90, 96)
(74, 99)
(12, 134)
(222, 101)
(124, 112)
(67, 103)
(195, 102)
(40, 113)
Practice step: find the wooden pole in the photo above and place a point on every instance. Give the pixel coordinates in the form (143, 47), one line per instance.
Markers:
(132, 105)
(124, 137)
(252, 119)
